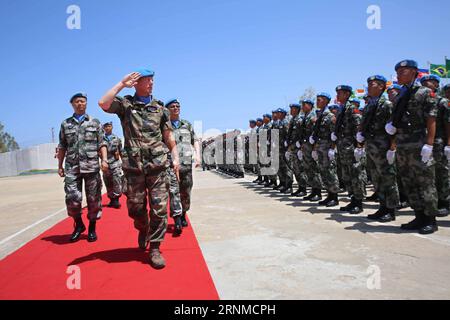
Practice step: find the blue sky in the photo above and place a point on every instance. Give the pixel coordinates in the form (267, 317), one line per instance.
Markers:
(227, 61)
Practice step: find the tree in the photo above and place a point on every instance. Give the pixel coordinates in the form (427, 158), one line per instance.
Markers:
(309, 93)
(7, 142)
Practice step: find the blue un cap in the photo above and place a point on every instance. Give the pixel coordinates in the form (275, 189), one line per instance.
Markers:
(378, 78)
(325, 95)
(394, 86)
(430, 77)
(309, 101)
(259, 120)
(344, 88)
(78, 95)
(407, 63)
(267, 116)
(144, 72)
(172, 101)
(295, 105)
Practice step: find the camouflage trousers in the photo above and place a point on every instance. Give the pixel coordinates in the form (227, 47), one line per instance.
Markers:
(73, 186)
(284, 172)
(312, 169)
(186, 183)
(174, 194)
(383, 175)
(418, 179)
(442, 172)
(155, 187)
(113, 180)
(353, 172)
(298, 169)
(327, 168)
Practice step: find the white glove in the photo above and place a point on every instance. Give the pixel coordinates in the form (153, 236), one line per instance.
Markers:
(358, 153)
(312, 140)
(285, 144)
(315, 155)
(447, 152)
(333, 137)
(427, 153)
(360, 138)
(287, 155)
(268, 142)
(298, 145)
(390, 128)
(390, 156)
(331, 154)
(300, 155)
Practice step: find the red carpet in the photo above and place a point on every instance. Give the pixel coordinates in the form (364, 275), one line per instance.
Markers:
(111, 268)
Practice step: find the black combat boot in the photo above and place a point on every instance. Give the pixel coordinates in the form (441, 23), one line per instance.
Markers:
(277, 186)
(334, 201)
(184, 222)
(417, 223)
(115, 203)
(429, 226)
(373, 198)
(286, 189)
(349, 206)
(79, 228)
(326, 200)
(259, 179)
(443, 208)
(267, 182)
(377, 215)
(301, 192)
(263, 181)
(315, 195)
(92, 235)
(388, 217)
(178, 226)
(357, 208)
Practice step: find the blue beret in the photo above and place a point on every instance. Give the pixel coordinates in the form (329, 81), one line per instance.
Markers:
(407, 63)
(430, 77)
(345, 88)
(394, 86)
(447, 86)
(107, 124)
(325, 95)
(172, 101)
(259, 120)
(281, 110)
(78, 95)
(146, 72)
(267, 116)
(334, 106)
(252, 121)
(355, 100)
(295, 105)
(377, 77)
(308, 101)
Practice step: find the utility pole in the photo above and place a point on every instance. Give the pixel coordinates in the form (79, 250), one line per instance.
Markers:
(53, 135)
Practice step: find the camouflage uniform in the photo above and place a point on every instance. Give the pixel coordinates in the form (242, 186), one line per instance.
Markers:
(296, 164)
(284, 172)
(377, 143)
(312, 169)
(353, 172)
(174, 191)
(82, 142)
(145, 162)
(418, 178)
(185, 138)
(113, 177)
(442, 167)
(324, 127)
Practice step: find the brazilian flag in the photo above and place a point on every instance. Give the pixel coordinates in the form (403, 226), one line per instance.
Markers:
(439, 70)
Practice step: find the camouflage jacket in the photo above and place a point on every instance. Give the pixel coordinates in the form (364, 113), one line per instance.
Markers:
(324, 126)
(143, 125)
(293, 132)
(443, 118)
(374, 119)
(185, 138)
(347, 124)
(82, 142)
(307, 126)
(283, 128)
(421, 105)
(114, 146)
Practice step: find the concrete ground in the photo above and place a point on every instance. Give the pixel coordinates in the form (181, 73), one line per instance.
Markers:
(260, 244)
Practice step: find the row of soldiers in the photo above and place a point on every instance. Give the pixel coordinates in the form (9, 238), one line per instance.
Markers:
(401, 143)
(156, 159)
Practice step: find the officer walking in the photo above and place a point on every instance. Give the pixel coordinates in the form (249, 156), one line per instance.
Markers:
(414, 126)
(113, 177)
(148, 138)
(80, 141)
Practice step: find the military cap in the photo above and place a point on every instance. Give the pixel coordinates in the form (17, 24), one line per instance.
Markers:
(281, 110)
(78, 95)
(344, 88)
(334, 106)
(144, 72)
(107, 124)
(377, 78)
(267, 116)
(325, 95)
(355, 100)
(430, 77)
(295, 105)
(259, 120)
(172, 101)
(309, 101)
(446, 87)
(407, 63)
(252, 121)
(394, 86)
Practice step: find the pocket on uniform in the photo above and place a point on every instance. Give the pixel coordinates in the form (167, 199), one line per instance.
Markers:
(92, 154)
(90, 133)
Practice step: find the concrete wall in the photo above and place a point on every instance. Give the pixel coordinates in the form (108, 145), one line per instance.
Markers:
(39, 157)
